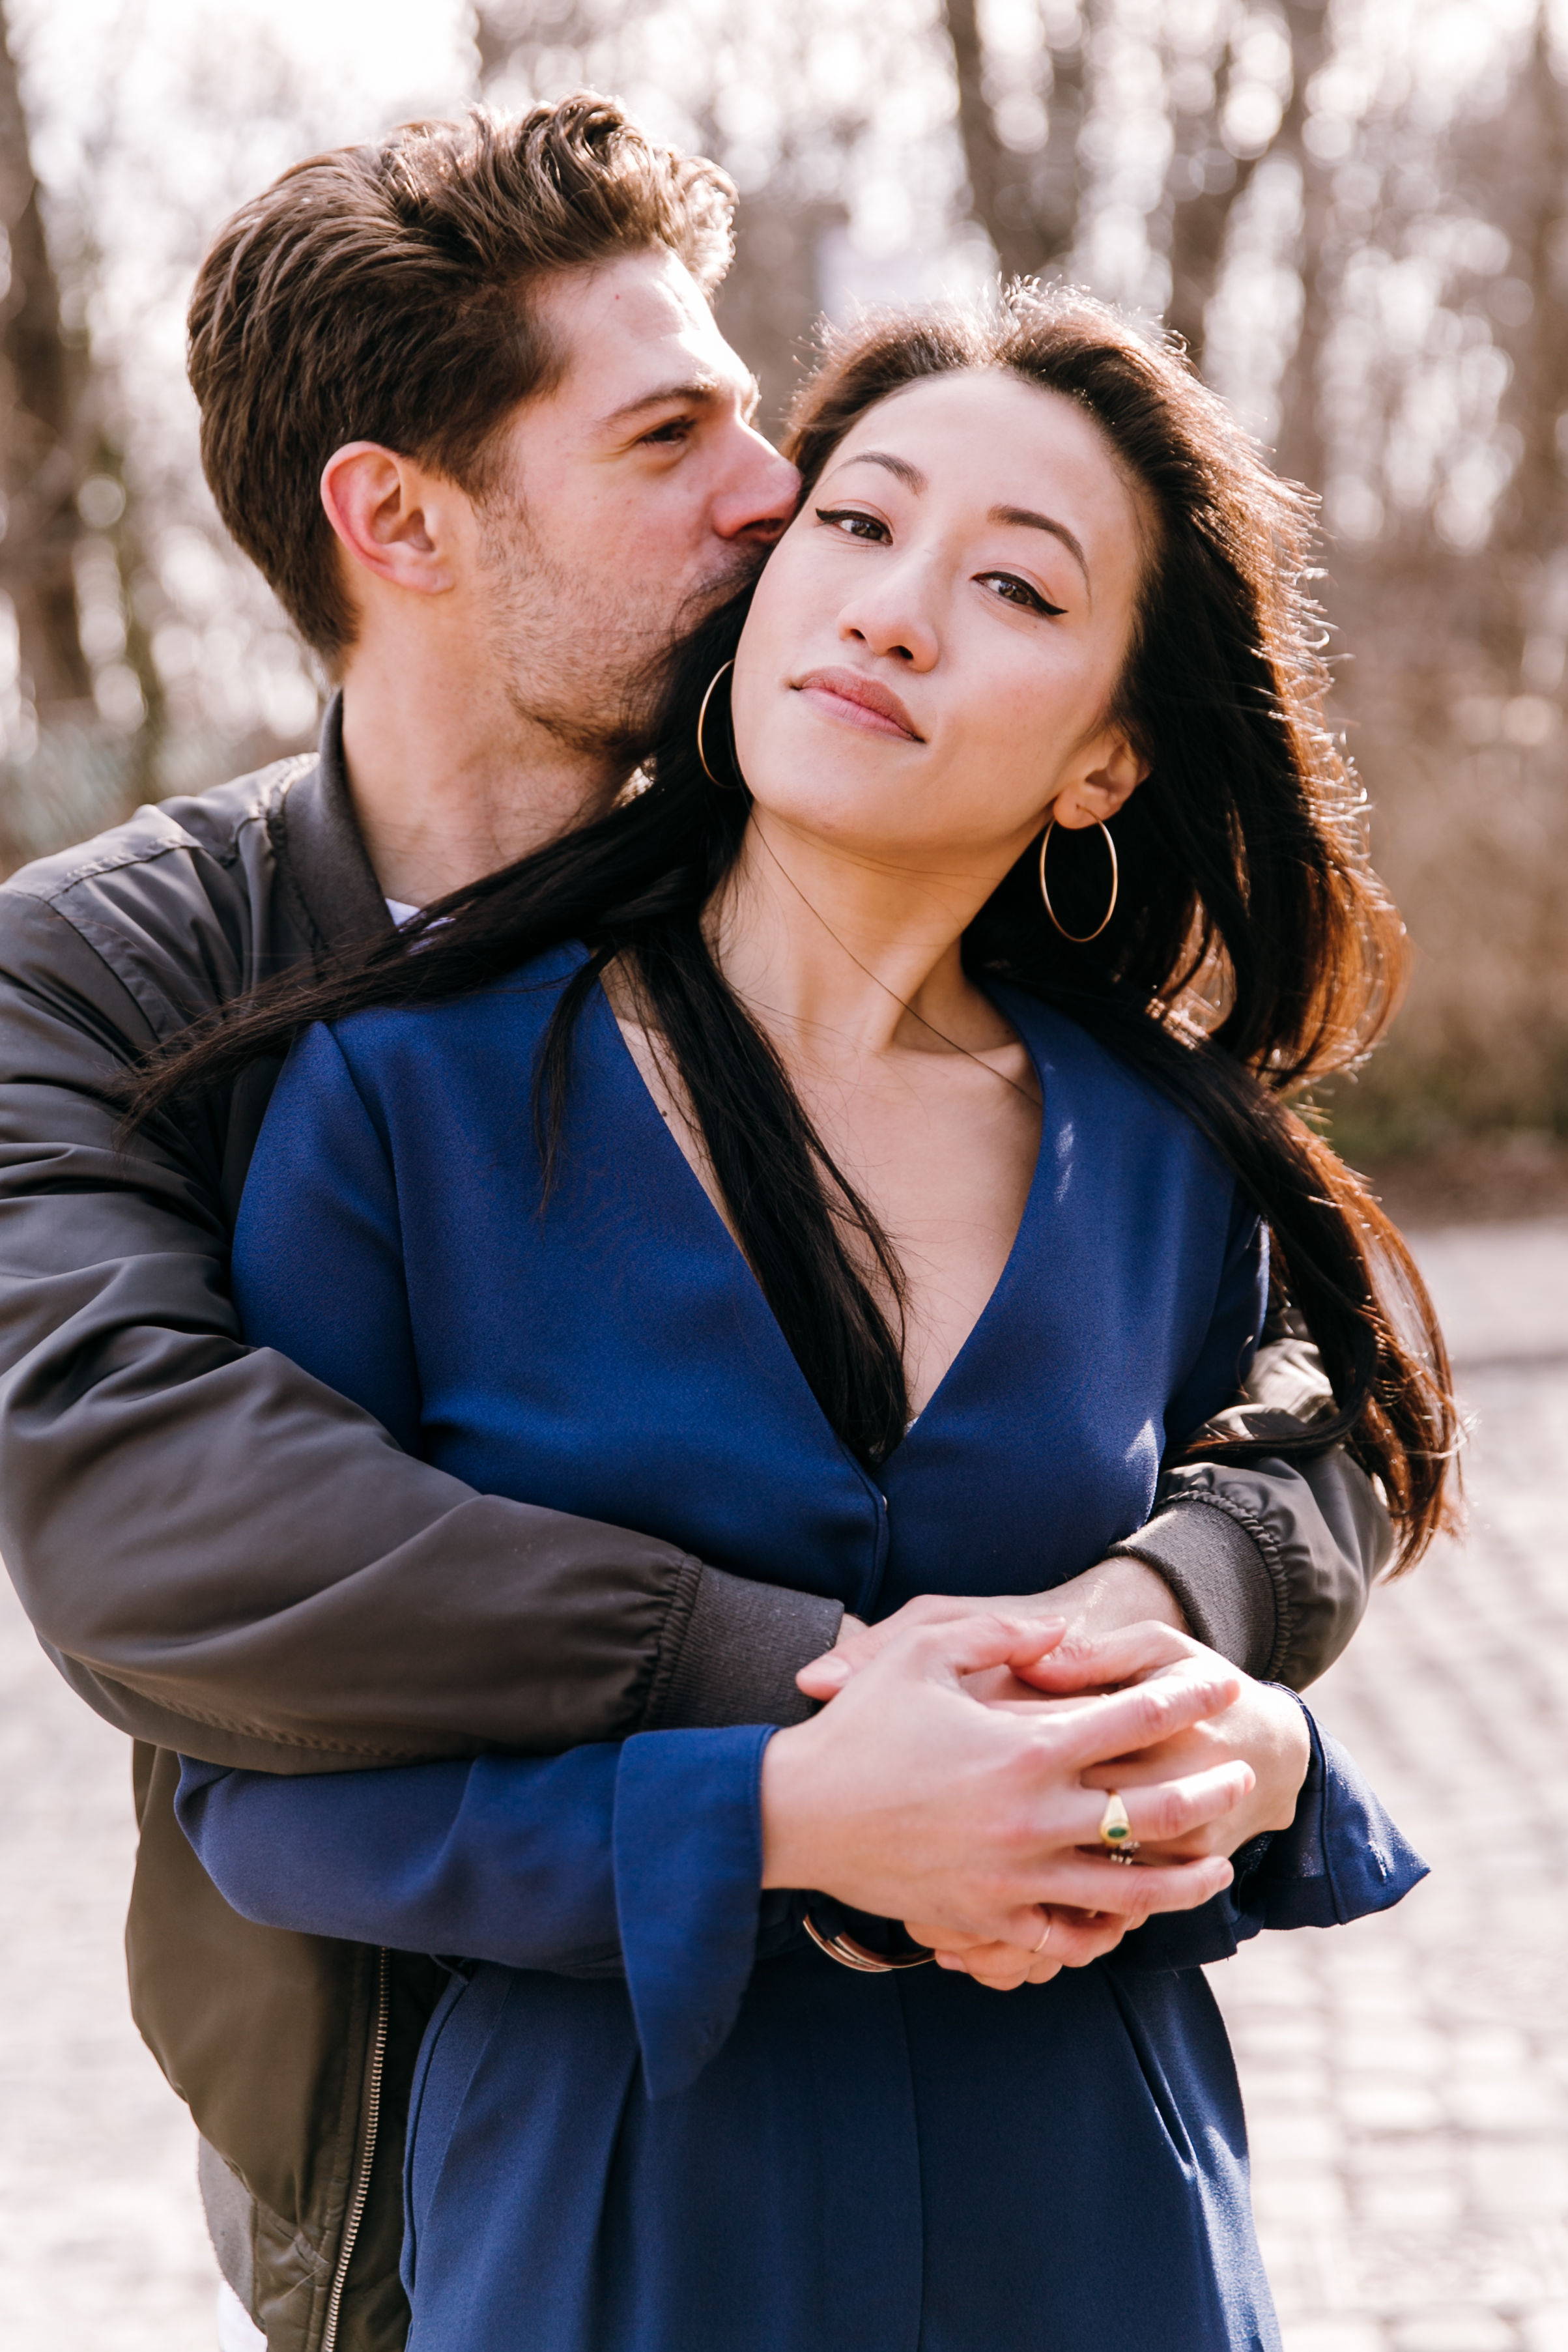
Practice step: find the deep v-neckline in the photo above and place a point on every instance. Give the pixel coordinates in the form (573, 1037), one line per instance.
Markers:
(717, 1225)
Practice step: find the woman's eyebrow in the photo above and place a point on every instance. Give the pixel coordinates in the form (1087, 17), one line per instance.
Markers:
(900, 467)
(1024, 517)
(1027, 517)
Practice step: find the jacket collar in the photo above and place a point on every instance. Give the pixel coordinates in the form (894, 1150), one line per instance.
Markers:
(320, 850)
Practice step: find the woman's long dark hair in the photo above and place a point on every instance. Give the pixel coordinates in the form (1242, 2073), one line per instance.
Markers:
(1252, 951)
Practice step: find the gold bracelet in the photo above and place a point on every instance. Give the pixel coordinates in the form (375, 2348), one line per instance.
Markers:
(850, 1955)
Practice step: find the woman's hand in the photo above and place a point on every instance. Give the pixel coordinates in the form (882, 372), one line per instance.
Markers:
(911, 1799)
(1263, 1728)
(1072, 1939)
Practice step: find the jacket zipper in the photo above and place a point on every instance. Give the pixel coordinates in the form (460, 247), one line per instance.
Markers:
(367, 2154)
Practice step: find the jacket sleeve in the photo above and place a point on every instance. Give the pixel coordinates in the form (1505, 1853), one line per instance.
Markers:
(1272, 1561)
(642, 1859)
(221, 1554)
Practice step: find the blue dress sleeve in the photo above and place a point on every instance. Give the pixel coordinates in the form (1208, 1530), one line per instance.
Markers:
(1341, 1859)
(643, 1856)
(1230, 1342)
(318, 1266)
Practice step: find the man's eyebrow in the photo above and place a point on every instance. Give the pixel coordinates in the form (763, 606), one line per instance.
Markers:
(1029, 520)
(701, 391)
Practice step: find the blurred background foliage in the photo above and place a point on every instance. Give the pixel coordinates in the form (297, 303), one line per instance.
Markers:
(1356, 213)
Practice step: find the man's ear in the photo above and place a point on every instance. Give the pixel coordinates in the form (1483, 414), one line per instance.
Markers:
(1094, 797)
(392, 519)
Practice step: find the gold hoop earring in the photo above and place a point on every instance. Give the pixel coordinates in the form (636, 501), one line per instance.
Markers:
(1076, 938)
(701, 716)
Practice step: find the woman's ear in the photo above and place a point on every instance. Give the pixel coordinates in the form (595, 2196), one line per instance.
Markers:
(1095, 797)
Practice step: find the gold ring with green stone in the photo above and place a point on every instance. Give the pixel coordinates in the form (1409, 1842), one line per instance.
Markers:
(1116, 1830)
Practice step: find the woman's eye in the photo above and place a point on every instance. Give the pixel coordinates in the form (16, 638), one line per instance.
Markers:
(854, 524)
(1014, 590)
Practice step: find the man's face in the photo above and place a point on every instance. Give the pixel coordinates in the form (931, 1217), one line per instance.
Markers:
(625, 503)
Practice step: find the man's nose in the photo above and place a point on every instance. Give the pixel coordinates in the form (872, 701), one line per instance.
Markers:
(759, 492)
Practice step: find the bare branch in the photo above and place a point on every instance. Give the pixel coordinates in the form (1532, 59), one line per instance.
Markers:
(42, 378)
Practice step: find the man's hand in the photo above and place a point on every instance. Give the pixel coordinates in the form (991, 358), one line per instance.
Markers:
(911, 1799)
(1116, 1593)
(1263, 1726)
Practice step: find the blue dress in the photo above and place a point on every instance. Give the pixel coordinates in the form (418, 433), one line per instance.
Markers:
(648, 2116)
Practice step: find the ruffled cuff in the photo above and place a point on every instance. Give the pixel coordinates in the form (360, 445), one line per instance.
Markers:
(1341, 1859)
(687, 1847)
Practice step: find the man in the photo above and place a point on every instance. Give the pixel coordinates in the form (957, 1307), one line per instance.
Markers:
(464, 403)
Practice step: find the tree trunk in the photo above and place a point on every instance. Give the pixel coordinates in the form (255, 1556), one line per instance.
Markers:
(1200, 219)
(996, 183)
(1301, 454)
(41, 380)
(1533, 519)
(1027, 206)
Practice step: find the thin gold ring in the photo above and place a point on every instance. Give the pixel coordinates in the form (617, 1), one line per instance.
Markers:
(1035, 1949)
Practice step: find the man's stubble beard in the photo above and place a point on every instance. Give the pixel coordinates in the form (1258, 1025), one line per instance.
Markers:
(583, 657)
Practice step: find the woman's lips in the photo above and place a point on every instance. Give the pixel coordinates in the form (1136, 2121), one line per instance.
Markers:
(858, 702)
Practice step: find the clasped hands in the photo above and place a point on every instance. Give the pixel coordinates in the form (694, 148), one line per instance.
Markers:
(957, 1780)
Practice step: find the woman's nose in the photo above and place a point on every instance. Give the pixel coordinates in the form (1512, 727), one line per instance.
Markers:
(895, 616)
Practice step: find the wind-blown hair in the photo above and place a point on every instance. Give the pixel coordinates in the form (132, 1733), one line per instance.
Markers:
(1251, 951)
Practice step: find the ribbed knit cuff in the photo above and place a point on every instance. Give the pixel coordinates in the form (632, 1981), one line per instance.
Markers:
(736, 1660)
(1215, 1558)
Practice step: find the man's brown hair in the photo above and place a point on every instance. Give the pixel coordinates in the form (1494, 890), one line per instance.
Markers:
(380, 293)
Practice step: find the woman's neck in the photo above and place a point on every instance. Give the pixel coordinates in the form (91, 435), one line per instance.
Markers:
(834, 949)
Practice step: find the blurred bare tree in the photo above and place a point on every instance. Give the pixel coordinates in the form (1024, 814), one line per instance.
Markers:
(81, 705)
(787, 97)
(1377, 267)
(1445, 425)
(178, 666)
(1354, 215)
(769, 301)
(43, 378)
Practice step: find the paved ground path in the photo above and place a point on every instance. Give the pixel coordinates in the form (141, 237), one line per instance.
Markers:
(1406, 2078)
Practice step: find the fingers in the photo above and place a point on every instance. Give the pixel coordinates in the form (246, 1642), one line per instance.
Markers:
(1078, 1937)
(1116, 1724)
(999, 1967)
(1059, 1668)
(825, 1676)
(1171, 1809)
(1098, 1661)
(1181, 1820)
(1115, 1898)
(1002, 1967)
(1073, 1940)
(966, 1645)
(1092, 1882)
(859, 1645)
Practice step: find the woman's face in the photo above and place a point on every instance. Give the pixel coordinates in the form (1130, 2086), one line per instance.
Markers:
(936, 640)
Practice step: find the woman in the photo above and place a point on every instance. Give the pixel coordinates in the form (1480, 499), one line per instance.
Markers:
(840, 983)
